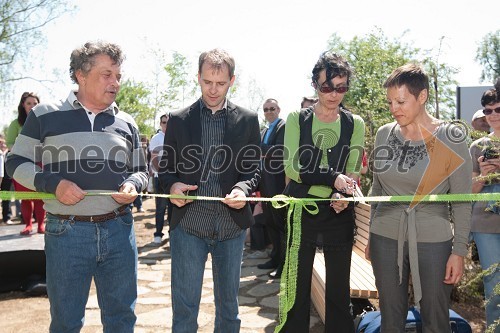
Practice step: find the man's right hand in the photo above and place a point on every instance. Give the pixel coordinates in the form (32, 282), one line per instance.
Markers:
(181, 189)
(68, 193)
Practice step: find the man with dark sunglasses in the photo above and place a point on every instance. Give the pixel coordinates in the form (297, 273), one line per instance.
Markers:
(272, 183)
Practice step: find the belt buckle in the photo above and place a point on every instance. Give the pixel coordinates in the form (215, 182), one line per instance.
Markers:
(91, 219)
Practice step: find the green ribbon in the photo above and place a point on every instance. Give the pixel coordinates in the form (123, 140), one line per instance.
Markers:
(288, 283)
(18, 195)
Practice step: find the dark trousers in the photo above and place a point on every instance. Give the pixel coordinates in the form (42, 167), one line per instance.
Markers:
(161, 206)
(275, 225)
(334, 233)
(432, 259)
(259, 238)
(337, 314)
(137, 202)
(6, 211)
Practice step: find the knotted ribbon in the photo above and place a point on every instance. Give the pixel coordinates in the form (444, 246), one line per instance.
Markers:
(288, 283)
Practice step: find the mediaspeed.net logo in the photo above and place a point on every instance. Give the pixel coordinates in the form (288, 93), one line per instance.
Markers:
(443, 161)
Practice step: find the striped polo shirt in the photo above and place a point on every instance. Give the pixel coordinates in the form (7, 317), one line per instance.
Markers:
(97, 157)
(204, 218)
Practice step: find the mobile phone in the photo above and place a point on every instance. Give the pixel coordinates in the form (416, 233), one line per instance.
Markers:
(490, 153)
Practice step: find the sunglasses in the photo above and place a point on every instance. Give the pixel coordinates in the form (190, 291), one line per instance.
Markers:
(487, 112)
(163, 122)
(327, 89)
(272, 108)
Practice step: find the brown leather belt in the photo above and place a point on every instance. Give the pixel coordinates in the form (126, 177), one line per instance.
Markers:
(94, 218)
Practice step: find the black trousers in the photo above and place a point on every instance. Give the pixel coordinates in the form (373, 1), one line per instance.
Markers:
(259, 238)
(6, 186)
(335, 234)
(275, 226)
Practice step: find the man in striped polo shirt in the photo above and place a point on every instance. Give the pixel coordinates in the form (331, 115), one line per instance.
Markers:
(86, 145)
(211, 149)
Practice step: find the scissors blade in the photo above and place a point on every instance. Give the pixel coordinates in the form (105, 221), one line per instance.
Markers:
(358, 194)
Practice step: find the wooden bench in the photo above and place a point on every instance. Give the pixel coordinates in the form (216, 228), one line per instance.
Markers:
(362, 282)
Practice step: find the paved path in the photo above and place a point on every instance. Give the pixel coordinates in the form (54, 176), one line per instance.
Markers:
(258, 294)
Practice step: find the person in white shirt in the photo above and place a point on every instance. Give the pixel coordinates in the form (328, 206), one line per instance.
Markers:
(156, 148)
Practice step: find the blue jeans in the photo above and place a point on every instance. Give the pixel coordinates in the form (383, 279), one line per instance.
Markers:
(161, 208)
(488, 247)
(76, 252)
(189, 254)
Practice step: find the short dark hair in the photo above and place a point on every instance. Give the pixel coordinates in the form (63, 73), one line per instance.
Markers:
(410, 75)
(490, 96)
(83, 57)
(217, 59)
(335, 65)
(163, 116)
(21, 112)
(305, 100)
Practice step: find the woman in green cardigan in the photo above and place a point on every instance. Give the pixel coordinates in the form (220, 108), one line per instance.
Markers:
(28, 101)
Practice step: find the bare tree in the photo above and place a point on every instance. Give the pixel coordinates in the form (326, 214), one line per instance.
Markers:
(159, 80)
(488, 55)
(255, 98)
(181, 84)
(21, 23)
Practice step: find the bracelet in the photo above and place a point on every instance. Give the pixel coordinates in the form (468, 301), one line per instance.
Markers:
(483, 180)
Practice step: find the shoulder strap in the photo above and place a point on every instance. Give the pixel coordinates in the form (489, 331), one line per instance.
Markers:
(346, 122)
(304, 115)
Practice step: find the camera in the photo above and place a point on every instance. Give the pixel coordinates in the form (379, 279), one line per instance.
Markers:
(490, 153)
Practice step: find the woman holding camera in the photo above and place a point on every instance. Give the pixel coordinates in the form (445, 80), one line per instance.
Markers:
(417, 155)
(485, 215)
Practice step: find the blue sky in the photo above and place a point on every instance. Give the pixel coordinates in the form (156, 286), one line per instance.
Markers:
(275, 43)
